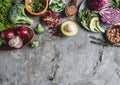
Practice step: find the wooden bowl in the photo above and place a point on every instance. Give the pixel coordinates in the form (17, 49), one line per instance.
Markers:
(113, 34)
(29, 8)
(26, 42)
(71, 9)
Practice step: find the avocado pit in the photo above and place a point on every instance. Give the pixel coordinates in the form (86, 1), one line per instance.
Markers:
(69, 28)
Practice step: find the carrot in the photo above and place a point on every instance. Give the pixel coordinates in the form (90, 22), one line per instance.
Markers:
(29, 8)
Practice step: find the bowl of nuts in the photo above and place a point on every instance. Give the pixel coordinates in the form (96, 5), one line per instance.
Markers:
(113, 34)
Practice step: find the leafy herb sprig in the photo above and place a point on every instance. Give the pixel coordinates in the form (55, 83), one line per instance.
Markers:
(102, 42)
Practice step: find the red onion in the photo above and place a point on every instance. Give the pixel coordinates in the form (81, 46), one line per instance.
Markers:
(23, 32)
(8, 34)
(16, 42)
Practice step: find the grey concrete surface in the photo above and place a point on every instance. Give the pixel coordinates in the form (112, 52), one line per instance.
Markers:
(61, 61)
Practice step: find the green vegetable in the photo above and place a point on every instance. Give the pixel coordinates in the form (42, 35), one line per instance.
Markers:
(57, 5)
(94, 25)
(17, 15)
(4, 7)
(102, 42)
(39, 29)
(115, 3)
(37, 6)
(17, 1)
(34, 44)
(2, 42)
(86, 15)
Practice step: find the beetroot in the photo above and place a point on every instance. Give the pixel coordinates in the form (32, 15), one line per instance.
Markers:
(97, 4)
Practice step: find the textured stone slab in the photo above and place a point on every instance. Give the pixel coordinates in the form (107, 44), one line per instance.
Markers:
(61, 61)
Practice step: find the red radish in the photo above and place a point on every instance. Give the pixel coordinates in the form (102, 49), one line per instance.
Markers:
(16, 42)
(8, 34)
(23, 32)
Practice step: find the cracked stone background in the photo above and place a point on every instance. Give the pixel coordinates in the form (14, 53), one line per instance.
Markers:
(61, 61)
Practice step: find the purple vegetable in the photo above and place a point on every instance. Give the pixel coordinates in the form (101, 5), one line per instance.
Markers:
(97, 4)
(110, 15)
(16, 42)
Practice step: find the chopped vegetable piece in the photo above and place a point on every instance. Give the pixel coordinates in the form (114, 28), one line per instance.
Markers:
(17, 15)
(39, 29)
(34, 44)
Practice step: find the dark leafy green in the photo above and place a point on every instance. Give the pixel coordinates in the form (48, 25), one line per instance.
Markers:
(4, 7)
(37, 6)
(115, 3)
(18, 1)
(86, 15)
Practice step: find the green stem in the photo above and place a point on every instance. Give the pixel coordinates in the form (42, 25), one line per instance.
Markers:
(102, 42)
(94, 38)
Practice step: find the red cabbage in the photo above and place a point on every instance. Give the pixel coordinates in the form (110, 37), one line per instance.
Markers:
(110, 15)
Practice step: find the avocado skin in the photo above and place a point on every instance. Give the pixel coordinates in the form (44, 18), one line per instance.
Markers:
(69, 33)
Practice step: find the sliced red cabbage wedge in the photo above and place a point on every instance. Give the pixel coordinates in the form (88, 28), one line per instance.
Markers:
(110, 15)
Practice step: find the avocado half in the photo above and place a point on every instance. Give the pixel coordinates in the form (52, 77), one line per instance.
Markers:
(69, 33)
(95, 25)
